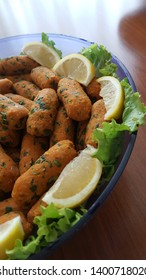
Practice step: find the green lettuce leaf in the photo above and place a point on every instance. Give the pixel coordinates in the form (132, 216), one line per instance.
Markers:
(134, 111)
(50, 43)
(110, 136)
(101, 59)
(50, 225)
(109, 139)
(23, 251)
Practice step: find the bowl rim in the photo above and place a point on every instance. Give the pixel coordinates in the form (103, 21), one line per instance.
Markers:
(112, 183)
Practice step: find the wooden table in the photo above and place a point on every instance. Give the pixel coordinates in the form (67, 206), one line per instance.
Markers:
(118, 229)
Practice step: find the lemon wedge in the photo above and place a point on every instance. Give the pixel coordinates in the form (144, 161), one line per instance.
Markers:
(77, 67)
(77, 181)
(9, 232)
(41, 53)
(113, 97)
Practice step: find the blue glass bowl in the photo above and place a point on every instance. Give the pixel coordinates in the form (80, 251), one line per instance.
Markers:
(12, 46)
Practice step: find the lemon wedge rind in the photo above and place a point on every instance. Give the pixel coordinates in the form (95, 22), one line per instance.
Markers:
(113, 97)
(41, 53)
(77, 67)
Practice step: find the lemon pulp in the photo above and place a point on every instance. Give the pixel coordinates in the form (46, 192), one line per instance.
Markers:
(41, 53)
(9, 232)
(77, 67)
(113, 97)
(77, 181)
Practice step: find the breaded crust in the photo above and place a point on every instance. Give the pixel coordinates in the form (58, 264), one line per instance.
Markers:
(26, 89)
(27, 103)
(8, 205)
(31, 149)
(8, 172)
(93, 90)
(80, 135)
(18, 78)
(35, 210)
(76, 102)
(5, 86)
(43, 112)
(15, 65)
(9, 137)
(64, 127)
(32, 184)
(12, 115)
(96, 120)
(44, 77)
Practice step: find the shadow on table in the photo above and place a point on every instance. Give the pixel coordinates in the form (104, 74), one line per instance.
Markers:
(132, 31)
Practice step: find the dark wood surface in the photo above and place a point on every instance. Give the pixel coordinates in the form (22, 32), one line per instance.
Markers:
(118, 229)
